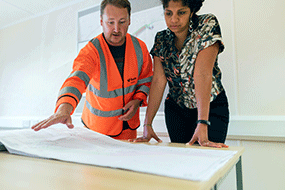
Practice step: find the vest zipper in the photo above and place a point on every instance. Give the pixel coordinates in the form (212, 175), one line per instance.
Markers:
(123, 88)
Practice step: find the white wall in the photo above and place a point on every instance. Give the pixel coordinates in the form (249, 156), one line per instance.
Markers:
(36, 56)
(259, 29)
(263, 166)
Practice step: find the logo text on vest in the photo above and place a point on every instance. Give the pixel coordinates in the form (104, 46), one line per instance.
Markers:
(132, 80)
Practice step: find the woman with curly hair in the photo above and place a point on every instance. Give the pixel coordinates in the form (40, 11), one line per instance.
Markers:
(186, 57)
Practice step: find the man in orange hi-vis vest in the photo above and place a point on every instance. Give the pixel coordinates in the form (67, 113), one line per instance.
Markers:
(115, 71)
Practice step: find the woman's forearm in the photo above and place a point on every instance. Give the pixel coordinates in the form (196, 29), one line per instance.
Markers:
(203, 93)
(203, 79)
(157, 87)
(155, 96)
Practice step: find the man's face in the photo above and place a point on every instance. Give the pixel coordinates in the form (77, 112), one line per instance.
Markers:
(115, 22)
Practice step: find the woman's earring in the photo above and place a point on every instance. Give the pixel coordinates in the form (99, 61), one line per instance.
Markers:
(168, 32)
(190, 25)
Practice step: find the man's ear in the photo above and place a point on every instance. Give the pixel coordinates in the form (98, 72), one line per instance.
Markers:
(101, 20)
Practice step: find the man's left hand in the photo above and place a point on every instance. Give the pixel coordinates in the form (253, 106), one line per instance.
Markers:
(130, 108)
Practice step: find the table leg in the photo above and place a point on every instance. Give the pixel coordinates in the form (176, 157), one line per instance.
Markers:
(239, 174)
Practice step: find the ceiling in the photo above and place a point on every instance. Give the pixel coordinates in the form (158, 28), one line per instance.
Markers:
(16, 11)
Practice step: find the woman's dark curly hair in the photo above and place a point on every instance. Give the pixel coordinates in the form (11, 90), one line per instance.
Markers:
(194, 5)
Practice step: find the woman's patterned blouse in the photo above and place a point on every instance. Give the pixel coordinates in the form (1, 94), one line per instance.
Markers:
(179, 66)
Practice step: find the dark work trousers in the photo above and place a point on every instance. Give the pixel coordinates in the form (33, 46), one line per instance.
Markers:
(181, 122)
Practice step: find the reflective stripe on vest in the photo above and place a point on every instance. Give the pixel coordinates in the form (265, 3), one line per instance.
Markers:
(143, 87)
(139, 53)
(101, 113)
(73, 90)
(82, 75)
(103, 92)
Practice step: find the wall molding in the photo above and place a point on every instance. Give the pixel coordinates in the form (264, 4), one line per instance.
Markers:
(256, 128)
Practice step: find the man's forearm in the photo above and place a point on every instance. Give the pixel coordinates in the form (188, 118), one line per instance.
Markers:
(65, 108)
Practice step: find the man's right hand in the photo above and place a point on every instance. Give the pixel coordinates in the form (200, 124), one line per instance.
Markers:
(61, 116)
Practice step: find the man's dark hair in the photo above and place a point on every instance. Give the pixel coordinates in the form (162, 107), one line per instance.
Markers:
(116, 3)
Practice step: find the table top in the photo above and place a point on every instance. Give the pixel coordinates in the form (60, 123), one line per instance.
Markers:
(22, 172)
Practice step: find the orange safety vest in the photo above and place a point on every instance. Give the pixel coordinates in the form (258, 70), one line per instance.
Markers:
(95, 72)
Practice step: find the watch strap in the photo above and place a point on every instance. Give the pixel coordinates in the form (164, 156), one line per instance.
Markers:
(204, 122)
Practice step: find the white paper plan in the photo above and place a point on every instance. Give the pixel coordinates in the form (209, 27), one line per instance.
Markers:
(81, 145)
